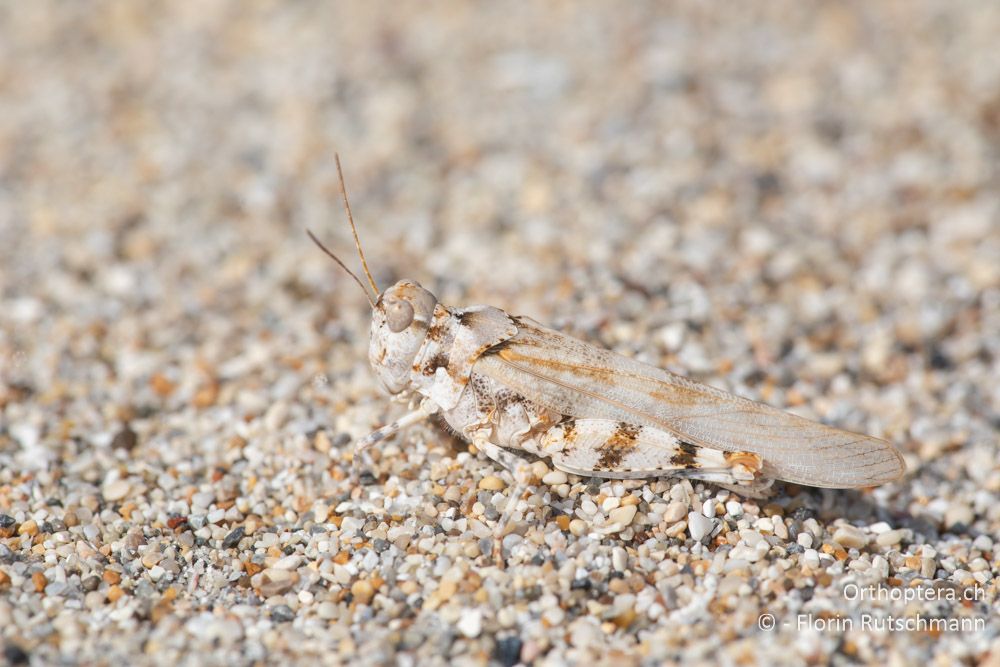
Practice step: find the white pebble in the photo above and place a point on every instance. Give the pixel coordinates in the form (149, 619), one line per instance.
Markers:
(675, 512)
(890, 538)
(115, 490)
(958, 515)
(327, 611)
(850, 537)
(288, 563)
(708, 507)
(622, 516)
(276, 416)
(619, 559)
(699, 525)
(880, 566)
(470, 624)
(555, 478)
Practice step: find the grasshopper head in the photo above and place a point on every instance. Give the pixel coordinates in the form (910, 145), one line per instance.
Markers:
(400, 320)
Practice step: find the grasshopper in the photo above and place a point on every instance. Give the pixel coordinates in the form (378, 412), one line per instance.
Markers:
(507, 384)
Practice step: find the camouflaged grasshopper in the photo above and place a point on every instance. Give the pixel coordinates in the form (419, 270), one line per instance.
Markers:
(508, 384)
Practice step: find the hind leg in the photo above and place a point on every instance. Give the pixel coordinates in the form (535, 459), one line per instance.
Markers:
(520, 470)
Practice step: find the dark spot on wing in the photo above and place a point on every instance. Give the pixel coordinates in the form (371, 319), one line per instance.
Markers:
(618, 445)
(439, 360)
(568, 429)
(498, 348)
(686, 456)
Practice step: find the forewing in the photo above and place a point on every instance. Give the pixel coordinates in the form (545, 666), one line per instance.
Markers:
(579, 380)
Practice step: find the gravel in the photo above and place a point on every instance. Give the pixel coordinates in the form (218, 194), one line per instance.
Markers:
(793, 201)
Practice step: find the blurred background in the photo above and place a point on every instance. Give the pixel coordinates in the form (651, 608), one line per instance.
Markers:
(759, 173)
(796, 200)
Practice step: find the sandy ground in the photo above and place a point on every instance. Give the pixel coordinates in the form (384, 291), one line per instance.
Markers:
(793, 201)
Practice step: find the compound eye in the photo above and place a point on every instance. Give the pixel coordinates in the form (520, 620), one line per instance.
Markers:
(398, 315)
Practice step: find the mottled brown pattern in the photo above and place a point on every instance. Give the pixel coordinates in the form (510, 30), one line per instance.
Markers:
(618, 445)
(568, 427)
(437, 330)
(569, 430)
(686, 457)
(439, 360)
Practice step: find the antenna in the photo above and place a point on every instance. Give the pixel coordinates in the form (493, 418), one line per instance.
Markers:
(354, 230)
(337, 260)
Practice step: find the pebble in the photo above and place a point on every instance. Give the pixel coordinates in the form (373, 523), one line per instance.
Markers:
(699, 526)
(277, 582)
(492, 483)
(619, 559)
(850, 537)
(288, 563)
(577, 527)
(232, 540)
(983, 543)
(508, 652)
(958, 515)
(282, 613)
(622, 516)
(125, 439)
(55, 589)
(708, 508)
(890, 538)
(327, 611)
(276, 416)
(554, 478)
(676, 511)
(363, 591)
(470, 623)
(115, 490)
